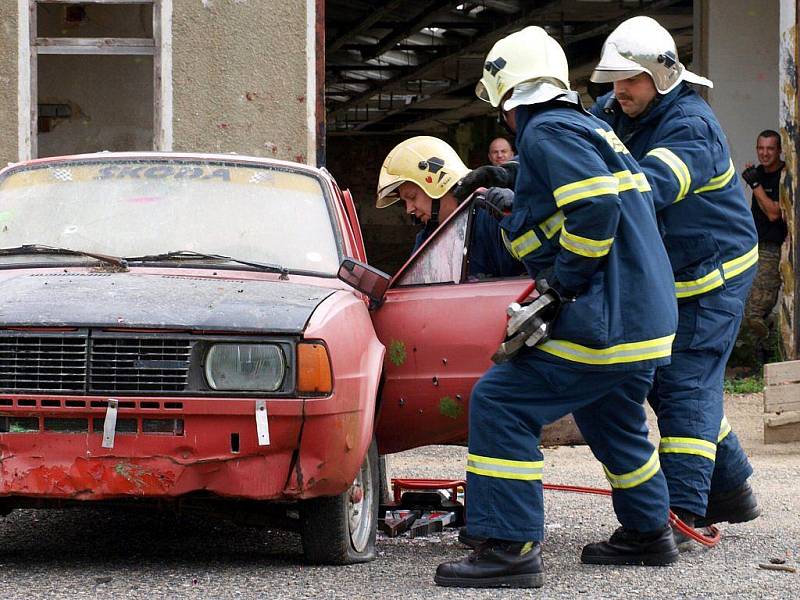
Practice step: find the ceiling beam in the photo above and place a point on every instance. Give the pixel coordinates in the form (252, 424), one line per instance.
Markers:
(428, 13)
(571, 39)
(357, 28)
(509, 24)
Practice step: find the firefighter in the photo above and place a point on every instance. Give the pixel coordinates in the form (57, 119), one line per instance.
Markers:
(422, 171)
(713, 247)
(583, 224)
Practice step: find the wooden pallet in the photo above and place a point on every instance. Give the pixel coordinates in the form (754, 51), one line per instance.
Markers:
(782, 402)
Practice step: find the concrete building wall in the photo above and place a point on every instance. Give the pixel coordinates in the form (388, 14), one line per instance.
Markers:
(742, 61)
(8, 82)
(240, 77)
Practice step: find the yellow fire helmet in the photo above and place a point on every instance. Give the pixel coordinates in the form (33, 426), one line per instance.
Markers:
(429, 162)
(526, 55)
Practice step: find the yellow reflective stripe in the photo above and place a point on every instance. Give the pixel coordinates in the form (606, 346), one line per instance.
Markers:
(613, 141)
(735, 266)
(686, 445)
(678, 167)
(714, 279)
(718, 182)
(641, 182)
(585, 188)
(634, 478)
(621, 353)
(585, 246)
(552, 224)
(684, 289)
(527, 470)
(724, 429)
(625, 180)
(521, 246)
(632, 181)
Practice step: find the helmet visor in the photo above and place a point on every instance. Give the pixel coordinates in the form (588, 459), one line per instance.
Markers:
(388, 194)
(613, 66)
(481, 92)
(609, 76)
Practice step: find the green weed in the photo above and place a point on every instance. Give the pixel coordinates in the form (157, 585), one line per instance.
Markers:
(744, 385)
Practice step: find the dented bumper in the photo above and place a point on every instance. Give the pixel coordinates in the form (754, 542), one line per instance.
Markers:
(51, 448)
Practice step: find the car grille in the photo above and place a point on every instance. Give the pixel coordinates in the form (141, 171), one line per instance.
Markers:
(81, 362)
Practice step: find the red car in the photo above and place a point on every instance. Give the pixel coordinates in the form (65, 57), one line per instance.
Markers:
(204, 330)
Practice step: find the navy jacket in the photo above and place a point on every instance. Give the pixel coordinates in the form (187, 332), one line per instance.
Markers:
(583, 207)
(708, 229)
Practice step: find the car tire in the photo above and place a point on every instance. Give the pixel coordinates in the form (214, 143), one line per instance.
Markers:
(341, 530)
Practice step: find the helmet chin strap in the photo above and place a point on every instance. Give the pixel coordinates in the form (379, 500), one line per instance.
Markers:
(501, 118)
(435, 205)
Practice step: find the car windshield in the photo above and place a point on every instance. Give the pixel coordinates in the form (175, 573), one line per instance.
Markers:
(149, 207)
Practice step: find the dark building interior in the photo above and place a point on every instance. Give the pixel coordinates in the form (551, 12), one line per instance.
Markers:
(399, 68)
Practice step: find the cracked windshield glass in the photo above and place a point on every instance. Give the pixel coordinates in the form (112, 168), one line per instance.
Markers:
(148, 207)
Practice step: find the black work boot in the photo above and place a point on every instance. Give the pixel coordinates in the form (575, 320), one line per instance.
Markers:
(467, 539)
(734, 506)
(495, 563)
(629, 547)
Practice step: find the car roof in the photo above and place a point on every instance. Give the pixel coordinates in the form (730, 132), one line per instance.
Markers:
(229, 157)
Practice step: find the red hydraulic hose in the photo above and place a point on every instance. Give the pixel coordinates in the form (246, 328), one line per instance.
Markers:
(709, 539)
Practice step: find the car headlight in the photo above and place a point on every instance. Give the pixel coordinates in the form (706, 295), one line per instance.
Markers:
(245, 367)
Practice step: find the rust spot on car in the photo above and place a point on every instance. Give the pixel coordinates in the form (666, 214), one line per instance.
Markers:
(90, 478)
(397, 352)
(450, 408)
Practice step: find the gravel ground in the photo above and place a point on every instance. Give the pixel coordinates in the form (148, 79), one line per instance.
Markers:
(99, 554)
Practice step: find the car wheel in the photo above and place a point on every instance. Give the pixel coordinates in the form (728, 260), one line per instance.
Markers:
(340, 530)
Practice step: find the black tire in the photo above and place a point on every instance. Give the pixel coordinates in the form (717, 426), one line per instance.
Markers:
(338, 531)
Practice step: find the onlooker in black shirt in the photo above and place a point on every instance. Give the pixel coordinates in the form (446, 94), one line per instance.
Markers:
(765, 182)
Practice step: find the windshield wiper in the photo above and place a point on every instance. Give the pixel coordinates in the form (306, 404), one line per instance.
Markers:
(191, 254)
(44, 249)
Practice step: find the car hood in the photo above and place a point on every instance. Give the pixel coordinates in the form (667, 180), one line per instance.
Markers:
(158, 301)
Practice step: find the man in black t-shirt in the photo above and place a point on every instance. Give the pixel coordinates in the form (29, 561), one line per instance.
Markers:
(765, 182)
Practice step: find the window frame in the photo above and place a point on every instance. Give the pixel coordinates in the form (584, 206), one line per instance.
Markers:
(31, 47)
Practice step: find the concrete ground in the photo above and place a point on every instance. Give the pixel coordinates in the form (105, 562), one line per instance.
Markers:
(103, 554)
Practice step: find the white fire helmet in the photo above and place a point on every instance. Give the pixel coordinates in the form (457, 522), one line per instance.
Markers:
(642, 45)
(526, 55)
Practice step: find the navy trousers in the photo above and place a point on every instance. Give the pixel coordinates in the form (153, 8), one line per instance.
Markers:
(509, 406)
(698, 450)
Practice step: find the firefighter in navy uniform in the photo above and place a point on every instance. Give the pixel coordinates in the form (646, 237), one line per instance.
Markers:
(422, 171)
(583, 224)
(712, 244)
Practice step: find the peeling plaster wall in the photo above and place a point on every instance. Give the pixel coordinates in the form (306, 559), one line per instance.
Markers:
(789, 307)
(239, 77)
(8, 82)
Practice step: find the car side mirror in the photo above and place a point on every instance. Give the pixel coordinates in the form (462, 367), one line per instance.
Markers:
(369, 280)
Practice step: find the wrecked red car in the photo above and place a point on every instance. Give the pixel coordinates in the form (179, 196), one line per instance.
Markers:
(204, 330)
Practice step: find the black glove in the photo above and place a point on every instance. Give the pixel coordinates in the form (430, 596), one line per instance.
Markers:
(487, 176)
(750, 176)
(547, 282)
(496, 201)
